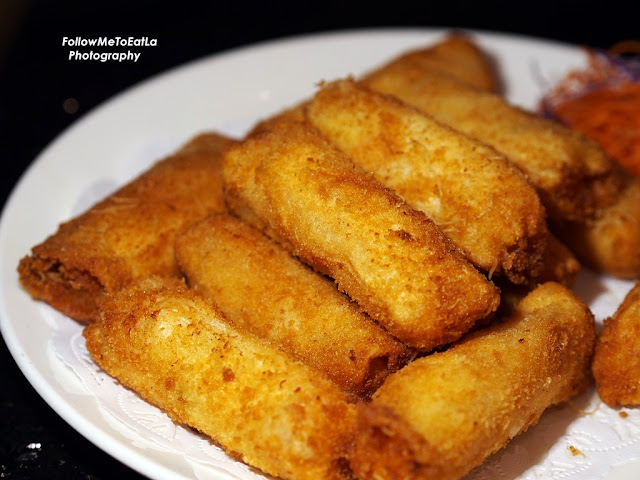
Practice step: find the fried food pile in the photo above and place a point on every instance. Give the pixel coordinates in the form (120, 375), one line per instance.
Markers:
(374, 283)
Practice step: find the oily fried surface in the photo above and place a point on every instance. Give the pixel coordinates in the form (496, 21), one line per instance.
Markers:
(560, 266)
(560, 263)
(260, 287)
(299, 189)
(129, 234)
(470, 400)
(616, 363)
(572, 173)
(172, 347)
(481, 201)
(458, 56)
(609, 243)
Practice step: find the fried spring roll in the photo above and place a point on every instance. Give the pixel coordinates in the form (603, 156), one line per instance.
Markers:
(443, 414)
(572, 174)
(261, 288)
(299, 189)
(560, 266)
(458, 56)
(129, 234)
(481, 201)
(616, 363)
(168, 344)
(609, 243)
(455, 55)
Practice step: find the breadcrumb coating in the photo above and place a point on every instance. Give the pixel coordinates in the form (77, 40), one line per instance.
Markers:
(291, 183)
(129, 234)
(476, 196)
(261, 288)
(616, 363)
(168, 344)
(445, 413)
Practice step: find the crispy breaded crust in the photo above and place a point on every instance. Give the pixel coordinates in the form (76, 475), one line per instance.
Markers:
(470, 400)
(480, 200)
(261, 288)
(173, 348)
(458, 56)
(560, 266)
(572, 174)
(616, 363)
(129, 234)
(391, 259)
(609, 243)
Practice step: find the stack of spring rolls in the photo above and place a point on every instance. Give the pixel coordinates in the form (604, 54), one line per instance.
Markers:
(372, 284)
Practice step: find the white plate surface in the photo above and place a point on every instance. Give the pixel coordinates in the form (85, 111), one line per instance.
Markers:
(228, 93)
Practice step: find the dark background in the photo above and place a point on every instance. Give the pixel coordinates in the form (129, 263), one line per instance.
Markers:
(36, 78)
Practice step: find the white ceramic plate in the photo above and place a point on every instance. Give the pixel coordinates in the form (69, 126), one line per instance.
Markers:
(228, 93)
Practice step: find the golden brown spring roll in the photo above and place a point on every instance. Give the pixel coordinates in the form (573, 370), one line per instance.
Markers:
(445, 413)
(168, 344)
(483, 203)
(129, 234)
(560, 266)
(610, 242)
(261, 288)
(616, 363)
(299, 189)
(458, 56)
(572, 174)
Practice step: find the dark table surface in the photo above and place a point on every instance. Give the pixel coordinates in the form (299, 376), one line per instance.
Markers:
(36, 78)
